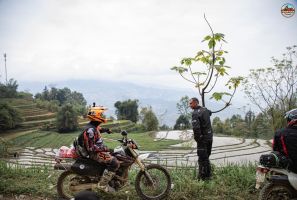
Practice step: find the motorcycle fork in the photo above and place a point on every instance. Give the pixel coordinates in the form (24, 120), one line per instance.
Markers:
(142, 168)
(146, 174)
(137, 160)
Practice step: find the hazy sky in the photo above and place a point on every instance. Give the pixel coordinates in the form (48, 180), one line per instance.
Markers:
(135, 40)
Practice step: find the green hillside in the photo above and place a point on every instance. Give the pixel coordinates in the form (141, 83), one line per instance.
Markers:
(33, 117)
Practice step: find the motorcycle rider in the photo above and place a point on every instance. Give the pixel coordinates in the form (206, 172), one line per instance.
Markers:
(90, 144)
(285, 139)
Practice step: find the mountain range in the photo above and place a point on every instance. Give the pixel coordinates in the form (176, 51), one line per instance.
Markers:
(163, 100)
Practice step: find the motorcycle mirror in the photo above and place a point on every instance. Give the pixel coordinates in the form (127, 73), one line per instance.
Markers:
(124, 133)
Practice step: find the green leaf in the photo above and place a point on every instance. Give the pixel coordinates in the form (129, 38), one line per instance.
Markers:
(179, 69)
(208, 37)
(204, 59)
(219, 53)
(219, 95)
(187, 61)
(219, 37)
(211, 43)
(234, 82)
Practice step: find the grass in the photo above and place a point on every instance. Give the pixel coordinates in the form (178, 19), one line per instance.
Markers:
(231, 183)
(49, 139)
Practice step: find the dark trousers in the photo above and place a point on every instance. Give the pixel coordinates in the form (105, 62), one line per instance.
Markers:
(203, 152)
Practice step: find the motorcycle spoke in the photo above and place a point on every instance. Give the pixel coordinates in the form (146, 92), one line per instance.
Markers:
(154, 183)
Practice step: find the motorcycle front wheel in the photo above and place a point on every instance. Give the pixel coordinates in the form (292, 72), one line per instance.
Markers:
(154, 183)
(277, 191)
(68, 181)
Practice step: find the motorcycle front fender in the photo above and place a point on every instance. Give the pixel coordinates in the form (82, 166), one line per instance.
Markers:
(293, 179)
(144, 156)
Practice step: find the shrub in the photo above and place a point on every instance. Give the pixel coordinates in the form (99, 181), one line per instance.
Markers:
(9, 117)
(67, 119)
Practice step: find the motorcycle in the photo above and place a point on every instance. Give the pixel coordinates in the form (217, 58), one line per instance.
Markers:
(153, 182)
(276, 183)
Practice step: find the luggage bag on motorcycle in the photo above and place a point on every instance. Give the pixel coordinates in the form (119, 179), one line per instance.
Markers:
(274, 159)
(87, 167)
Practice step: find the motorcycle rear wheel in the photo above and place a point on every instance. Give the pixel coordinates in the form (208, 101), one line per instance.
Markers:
(279, 191)
(161, 186)
(65, 180)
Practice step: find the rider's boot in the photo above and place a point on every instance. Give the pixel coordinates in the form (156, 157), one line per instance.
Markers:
(103, 183)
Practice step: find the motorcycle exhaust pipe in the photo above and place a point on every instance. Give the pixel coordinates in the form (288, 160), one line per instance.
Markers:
(85, 186)
(279, 178)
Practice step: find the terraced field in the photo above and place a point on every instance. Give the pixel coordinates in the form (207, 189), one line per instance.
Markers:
(40, 147)
(225, 150)
(33, 116)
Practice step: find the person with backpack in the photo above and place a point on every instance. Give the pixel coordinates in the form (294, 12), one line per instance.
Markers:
(90, 145)
(285, 140)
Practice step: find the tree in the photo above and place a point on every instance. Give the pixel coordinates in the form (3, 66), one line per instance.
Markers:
(67, 119)
(9, 90)
(9, 117)
(54, 98)
(64, 95)
(249, 118)
(217, 125)
(127, 110)
(238, 126)
(150, 120)
(182, 123)
(183, 107)
(45, 94)
(274, 89)
(214, 62)
(164, 127)
(261, 127)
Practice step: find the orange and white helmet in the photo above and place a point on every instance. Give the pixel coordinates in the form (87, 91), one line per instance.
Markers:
(95, 113)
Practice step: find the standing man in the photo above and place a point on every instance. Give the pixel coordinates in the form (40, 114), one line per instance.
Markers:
(203, 136)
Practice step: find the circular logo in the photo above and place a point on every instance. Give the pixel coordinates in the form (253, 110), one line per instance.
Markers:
(288, 10)
(82, 166)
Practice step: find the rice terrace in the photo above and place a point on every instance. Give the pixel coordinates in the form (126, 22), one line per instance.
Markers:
(148, 100)
(29, 151)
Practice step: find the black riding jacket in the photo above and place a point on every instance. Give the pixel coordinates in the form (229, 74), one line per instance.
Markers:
(201, 124)
(285, 142)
